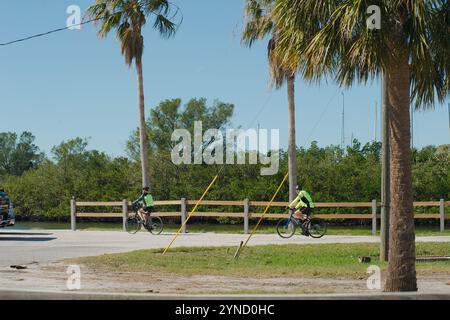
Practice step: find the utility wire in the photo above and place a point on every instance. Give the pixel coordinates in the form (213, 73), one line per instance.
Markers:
(177, 11)
(49, 32)
(320, 117)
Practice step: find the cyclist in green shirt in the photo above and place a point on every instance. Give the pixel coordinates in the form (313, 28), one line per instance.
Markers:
(148, 205)
(303, 204)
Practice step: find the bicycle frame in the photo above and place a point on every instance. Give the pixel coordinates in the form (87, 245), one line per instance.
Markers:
(141, 219)
(296, 221)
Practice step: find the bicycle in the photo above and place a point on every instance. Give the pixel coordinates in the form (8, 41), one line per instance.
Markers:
(154, 224)
(315, 228)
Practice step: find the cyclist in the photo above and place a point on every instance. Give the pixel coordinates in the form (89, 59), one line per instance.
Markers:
(303, 204)
(147, 201)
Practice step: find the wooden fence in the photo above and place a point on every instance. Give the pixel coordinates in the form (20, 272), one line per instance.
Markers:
(247, 215)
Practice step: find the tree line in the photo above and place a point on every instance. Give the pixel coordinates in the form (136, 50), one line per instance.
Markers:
(41, 185)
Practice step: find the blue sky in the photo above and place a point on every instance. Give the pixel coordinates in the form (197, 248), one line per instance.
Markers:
(72, 84)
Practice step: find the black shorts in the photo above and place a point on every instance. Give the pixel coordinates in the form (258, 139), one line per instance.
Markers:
(306, 210)
(148, 209)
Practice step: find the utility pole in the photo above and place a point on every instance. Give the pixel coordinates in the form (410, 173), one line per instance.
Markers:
(376, 121)
(385, 171)
(343, 120)
(412, 126)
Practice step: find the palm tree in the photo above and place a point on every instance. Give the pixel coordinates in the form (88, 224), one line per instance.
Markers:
(258, 25)
(128, 18)
(323, 38)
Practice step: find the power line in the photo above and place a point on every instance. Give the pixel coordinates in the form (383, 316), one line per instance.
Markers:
(320, 117)
(178, 11)
(376, 122)
(49, 32)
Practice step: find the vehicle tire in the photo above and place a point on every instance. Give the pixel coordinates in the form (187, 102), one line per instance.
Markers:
(317, 228)
(286, 228)
(155, 225)
(133, 224)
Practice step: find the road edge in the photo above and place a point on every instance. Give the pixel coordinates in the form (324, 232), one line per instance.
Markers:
(7, 294)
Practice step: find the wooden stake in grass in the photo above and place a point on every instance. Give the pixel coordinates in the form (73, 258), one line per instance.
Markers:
(190, 214)
(236, 254)
(262, 217)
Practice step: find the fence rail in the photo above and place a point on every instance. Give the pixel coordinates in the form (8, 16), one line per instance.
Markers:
(246, 214)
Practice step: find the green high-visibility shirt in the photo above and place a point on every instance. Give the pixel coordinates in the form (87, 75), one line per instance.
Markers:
(147, 199)
(303, 200)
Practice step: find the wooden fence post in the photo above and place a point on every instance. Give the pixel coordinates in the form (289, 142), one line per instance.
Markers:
(442, 215)
(246, 215)
(374, 217)
(124, 214)
(73, 214)
(183, 214)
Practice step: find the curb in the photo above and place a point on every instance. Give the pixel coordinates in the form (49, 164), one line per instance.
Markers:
(73, 295)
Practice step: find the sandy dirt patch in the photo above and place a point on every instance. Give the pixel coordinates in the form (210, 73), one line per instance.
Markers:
(54, 277)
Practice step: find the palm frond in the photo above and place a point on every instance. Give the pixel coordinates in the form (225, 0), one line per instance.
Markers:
(322, 38)
(258, 21)
(165, 27)
(128, 17)
(258, 25)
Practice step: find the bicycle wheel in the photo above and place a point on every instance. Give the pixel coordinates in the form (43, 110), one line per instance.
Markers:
(286, 228)
(155, 225)
(317, 228)
(133, 224)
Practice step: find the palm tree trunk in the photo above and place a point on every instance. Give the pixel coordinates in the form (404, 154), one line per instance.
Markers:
(292, 149)
(401, 273)
(142, 125)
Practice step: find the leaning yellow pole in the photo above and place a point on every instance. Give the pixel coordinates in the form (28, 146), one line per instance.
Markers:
(190, 214)
(262, 216)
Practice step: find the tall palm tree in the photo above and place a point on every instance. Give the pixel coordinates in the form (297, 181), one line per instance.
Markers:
(128, 18)
(331, 38)
(258, 25)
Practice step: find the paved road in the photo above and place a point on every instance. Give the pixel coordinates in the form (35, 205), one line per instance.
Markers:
(25, 247)
(58, 295)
